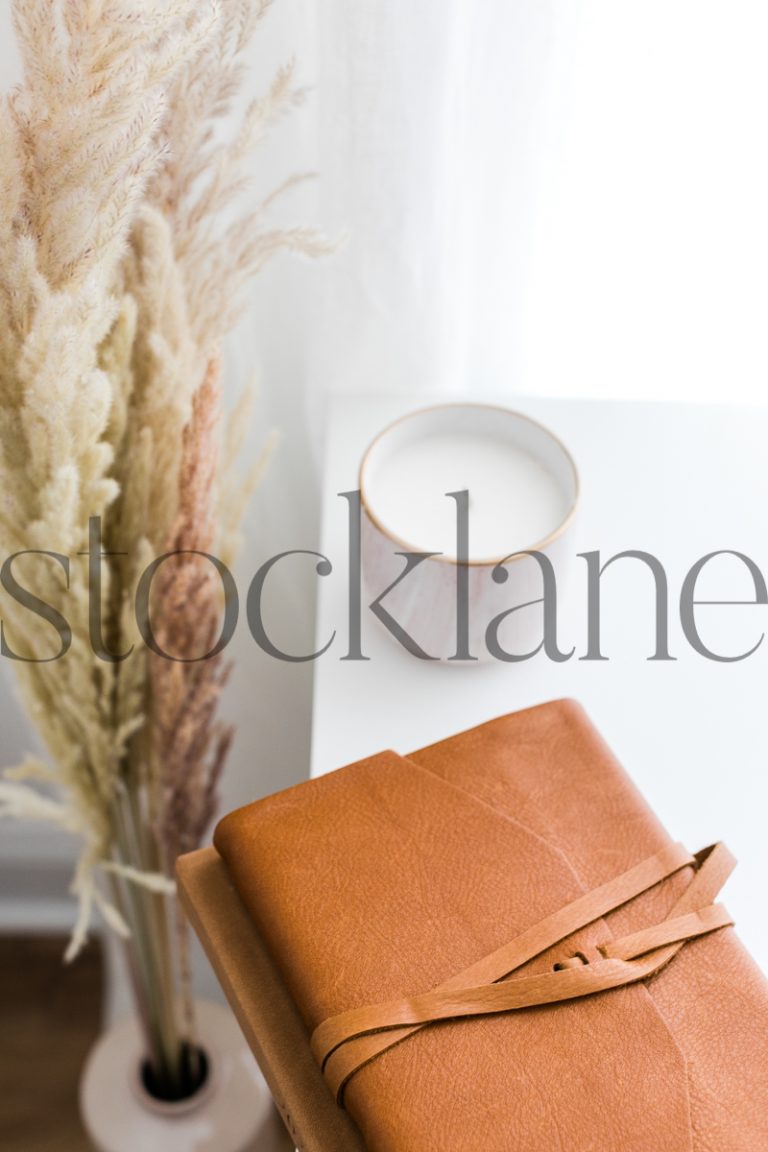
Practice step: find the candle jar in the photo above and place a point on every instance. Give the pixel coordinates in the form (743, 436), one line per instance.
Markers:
(465, 517)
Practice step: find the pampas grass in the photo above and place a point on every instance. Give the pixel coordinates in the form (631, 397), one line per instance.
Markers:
(123, 265)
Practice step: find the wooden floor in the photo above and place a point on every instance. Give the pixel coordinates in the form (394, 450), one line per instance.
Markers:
(50, 1015)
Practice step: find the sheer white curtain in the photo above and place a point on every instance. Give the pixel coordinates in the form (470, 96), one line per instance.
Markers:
(561, 195)
(430, 128)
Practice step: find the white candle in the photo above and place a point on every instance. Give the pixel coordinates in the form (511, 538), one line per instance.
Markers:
(523, 490)
(520, 481)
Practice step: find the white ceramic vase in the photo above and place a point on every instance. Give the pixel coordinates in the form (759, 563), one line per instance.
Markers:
(226, 1115)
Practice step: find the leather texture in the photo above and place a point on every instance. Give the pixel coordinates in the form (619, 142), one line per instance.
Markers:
(347, 1042)
(380, 883)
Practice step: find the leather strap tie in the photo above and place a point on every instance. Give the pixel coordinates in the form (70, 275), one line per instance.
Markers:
(345, 1043)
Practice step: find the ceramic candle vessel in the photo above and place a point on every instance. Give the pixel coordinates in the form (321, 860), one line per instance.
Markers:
(480, 488)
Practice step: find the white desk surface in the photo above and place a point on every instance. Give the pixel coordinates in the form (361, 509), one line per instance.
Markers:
(675, 480)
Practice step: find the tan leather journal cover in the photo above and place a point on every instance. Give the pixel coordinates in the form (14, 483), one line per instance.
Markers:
(385, 879)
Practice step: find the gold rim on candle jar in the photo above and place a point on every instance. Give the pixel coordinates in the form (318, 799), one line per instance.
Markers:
(510, 558)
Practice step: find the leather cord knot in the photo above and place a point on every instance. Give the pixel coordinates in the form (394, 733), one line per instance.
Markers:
(576, 961)
(344, 1043)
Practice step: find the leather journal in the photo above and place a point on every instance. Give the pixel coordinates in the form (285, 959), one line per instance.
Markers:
(493, 945)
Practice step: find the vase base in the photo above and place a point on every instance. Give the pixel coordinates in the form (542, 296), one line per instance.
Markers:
(226, 1115)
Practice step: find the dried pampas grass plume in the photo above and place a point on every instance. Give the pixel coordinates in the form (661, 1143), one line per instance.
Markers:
(123, 265)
